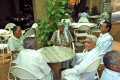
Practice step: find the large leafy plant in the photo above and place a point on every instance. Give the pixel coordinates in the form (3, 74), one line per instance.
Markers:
(55, 11)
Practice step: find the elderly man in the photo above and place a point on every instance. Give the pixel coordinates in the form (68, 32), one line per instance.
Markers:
(15, 42)
(112, 66)
(32, 60)
(62, 37)
(105, 40)
(90, 55)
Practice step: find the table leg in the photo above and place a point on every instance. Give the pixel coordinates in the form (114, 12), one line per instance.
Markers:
(56, 68)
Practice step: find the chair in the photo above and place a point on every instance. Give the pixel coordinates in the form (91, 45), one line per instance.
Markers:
(12, 61)
(93, 66)
(82, 28)
(83, 20)
(11, 25)
(22, 73)
(97, 28)
(34, 26)
(30, 32)
(104, 15)
(3, 45)
(72, 46)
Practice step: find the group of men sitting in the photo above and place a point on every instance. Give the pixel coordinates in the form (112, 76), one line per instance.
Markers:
(28, 57)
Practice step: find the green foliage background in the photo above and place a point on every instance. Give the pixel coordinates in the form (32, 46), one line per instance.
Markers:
(55, 11)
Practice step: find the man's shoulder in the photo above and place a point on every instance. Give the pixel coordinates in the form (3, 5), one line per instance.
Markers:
(32, 52)
(109, 37)
(106, 36)
(11, 39)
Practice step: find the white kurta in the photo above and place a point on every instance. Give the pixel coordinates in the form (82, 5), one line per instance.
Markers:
(34, 62)
(110, 75)
(74, 73)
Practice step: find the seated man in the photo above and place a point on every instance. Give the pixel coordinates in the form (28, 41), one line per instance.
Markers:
(33, 60)
(15, 42)
(105, 40)
(112, 66)
(90, 55)
(62, 37)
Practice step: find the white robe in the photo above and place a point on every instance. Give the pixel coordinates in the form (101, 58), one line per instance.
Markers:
(33, 61)
(74, 73)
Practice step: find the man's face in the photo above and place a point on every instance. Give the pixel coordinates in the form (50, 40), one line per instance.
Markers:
(103, 28)
(61, 28)
(89, 44)
(18, 32)
(116, 66)
(35, 45)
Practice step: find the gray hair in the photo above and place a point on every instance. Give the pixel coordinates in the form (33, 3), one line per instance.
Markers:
(111, 58)
(92, 37)
(60, 24)
(27, 43)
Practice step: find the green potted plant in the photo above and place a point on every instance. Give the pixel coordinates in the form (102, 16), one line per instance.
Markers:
(55, 11)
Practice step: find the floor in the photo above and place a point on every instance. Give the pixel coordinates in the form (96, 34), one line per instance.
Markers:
(116, 46)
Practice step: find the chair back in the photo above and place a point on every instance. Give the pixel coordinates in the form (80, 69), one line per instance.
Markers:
(72, 46)
(84, 28)
(96, 29)
(3, 45)
(22, 73)
(11, 25)
(12, 60)
(30, 32)
(92, 66)
(83, 20)
(34, 26)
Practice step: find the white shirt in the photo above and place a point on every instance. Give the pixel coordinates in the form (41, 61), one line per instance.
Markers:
(104, 43)
(15, 44)
(84, 14)
(33, 61)
(110, 75)
(67, 23)
(74, 73)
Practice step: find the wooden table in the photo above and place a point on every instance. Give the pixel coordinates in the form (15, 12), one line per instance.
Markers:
(55, 55)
